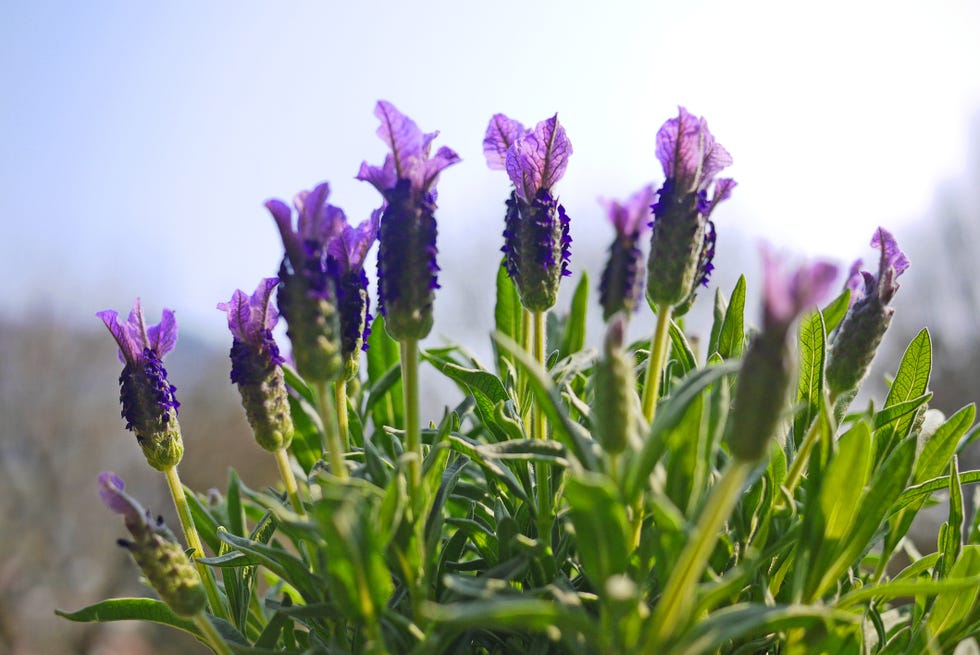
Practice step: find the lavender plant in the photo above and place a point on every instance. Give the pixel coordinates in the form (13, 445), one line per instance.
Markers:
(550, 509)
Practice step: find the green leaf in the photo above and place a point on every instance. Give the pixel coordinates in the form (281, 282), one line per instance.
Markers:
(939, 449)
(838, 501)
(549, 400)
(296, 383)
(207, 526)
(925, 489)
(131, 609)
(719, 311)
(602, 530)
(809, 394)
(669, 415)
(742, 621)
(305, 446)
(952, 608)
(951, 537)
(507, 314)
(899, 410)
(486, 388)
(681, 349)
(280, 562)
(236, 516)
(573, 340)
(385, 402)
(731, 339)
(911, 381)
(886, 485)
(835, 310)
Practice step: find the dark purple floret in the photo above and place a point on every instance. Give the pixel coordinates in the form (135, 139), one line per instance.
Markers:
(146, 395)
(407, 268)
(619, 287)
(354, 305)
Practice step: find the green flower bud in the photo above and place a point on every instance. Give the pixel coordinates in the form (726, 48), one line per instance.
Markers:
(616, 402)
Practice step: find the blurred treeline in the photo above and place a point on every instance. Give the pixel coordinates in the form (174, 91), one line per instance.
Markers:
(60, 425)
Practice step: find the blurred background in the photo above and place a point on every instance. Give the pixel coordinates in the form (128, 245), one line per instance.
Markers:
(138, 142)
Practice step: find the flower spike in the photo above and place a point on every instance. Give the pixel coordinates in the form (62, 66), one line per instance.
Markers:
(149, 401)
(407, 268)
(536, 234)
(622, 279)
(868, 317)
(155, 550)
(767, 368)
(255, 365)
(683, 238)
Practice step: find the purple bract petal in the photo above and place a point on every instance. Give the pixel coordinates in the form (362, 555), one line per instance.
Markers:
(630, 217)
(409, 157)
(786, 296)
(537, 159)
(501, 134)
(134, 335)
(689, 153)
(250, 317)
(350, 248)
(111, 491)
(891, 255)
(318, 221)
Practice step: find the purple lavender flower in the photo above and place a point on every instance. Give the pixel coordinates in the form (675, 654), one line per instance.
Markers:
(308, 295)
(149, 403)
(345, 259)
(155, 550)
(407, 268)
(764, 380)
(255, 365)
(859, 334)
(683, 239)
(537, 243)
(622, 279)
(786, 296)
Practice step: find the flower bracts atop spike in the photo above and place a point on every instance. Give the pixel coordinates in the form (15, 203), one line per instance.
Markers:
(786, 296)
(149, 401)
(764, 379)
(868, 318)
(622, 279)
(308, 295)
(407, 268)
(682, 242)
(536, 235)
(255, 365)
(346, 254)
(155, 550)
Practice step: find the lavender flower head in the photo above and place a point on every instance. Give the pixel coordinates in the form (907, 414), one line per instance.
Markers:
(407, 268)
(308, 295)
(537, 244)
(155, 550)
(859, 334)
(345, 260)
(255, 365)
(786, 296)
(621, 283)
(767, 368)
(682, 243)
(149, 403)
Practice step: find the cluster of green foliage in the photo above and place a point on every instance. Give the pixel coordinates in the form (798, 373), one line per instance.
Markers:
(813, 557)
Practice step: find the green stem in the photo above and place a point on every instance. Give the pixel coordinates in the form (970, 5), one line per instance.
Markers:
(540, 431)
(655, 364)
(331, 445)
(211, 635)
(288, 479)
(677, 600)
(340, 398)
(527, 337)
(194, 540)
(413, 430)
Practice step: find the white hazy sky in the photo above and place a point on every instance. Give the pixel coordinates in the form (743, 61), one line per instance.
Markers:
(138, 140)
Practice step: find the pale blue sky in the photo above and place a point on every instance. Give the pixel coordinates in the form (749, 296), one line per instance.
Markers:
(140, 140)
